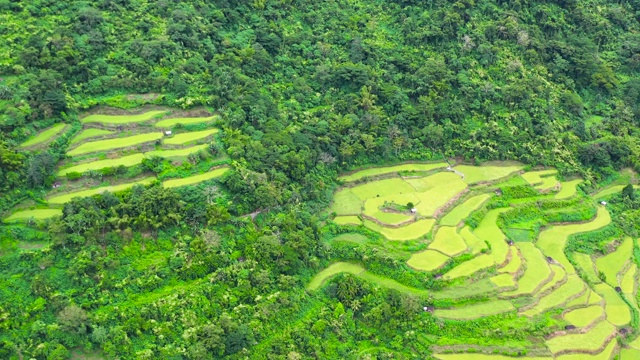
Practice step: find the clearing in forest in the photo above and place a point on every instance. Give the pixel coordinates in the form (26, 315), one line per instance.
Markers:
(165, 123)
(116, 143)
(122, 119)
(195, 179)
(36, 214)
(43, 136)
(188, 137)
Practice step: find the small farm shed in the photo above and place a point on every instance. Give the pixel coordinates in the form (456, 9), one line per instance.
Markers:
(167, 133)
(603, 203)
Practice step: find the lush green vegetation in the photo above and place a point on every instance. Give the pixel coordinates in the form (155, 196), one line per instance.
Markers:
(305, 92)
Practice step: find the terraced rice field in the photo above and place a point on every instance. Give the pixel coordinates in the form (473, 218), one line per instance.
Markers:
(514, 263)
(484, 357)
(476, 310)
(629, 279)
(568, 190)
(605, 354)
(122, 119)
(476, 174)
(43, 136)
(347, 220)
(195, 179)
(462, 211)
(607, 192)
(427, 260)
(569, 290)
(474, 244)
(537, 273)
(345, 202)
(90, 133)
(543, 179)
(611, 264)
(351, 237)
(470, 267)
(36, 214)
(388, 187)
(503, 280)
(448, 241)
(618, 313)
(490, 232)
(189, 137)
(129, 160)
(166, 123)
(585, 264)
(389, 170)
(116, 143)
(592, 340)
(412, 231)
(584, 316)
(177, 153)
(65, 198)
(333, 270)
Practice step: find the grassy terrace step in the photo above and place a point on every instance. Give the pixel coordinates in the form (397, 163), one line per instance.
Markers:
(514, 263)
(448, 241)
(412, 231)
(165, 123)
(476, 174)
(628, 281)
(462, 211)
(605, 354)
(552, 240)
(474, 244)
(188, 137)
(543, 179)
(503, 280)
(43, 136)
(490, 232)
(427, 260)
(475, 311)
(36, 214)
(470, 267)
(571, 289)
(345, 202)
(591, 341)
(121, 119)
(617, 311)
(116, 143)
(347, 220)
(607, 192)
(536, 274)
(475, 288)
(569, 189)
(389, 170)
(584, 316)
(64, 198)
(190, 180)
(585, 264)
(559, 276)
(612, 263)
(485, 357)
(90, 133)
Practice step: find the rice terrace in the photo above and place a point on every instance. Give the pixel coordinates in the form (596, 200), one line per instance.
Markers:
(493, 242)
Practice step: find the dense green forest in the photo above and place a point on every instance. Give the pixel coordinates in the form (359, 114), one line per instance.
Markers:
(304, 90)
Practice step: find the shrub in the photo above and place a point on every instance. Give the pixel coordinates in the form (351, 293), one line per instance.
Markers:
(74, 175)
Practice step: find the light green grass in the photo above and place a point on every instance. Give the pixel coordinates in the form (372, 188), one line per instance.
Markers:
(188, 137)
(345, 202)
(536, 178)
(121, 119)
(470, 267)
(90, 133)
(537, 273)
(333, 270)
(462, 211)
(488, 231)
(351, 237)
(129, 160)
(626, 354)
(611, 190)
(65, 198)
(592, 340)
(585, 264)
(635, 343)
(382, 188)
(514, 264)
(184, 121)
(448, 241)
(347, 220)
(475, 356)
(595, 299)
(583, 316)
(427, 260)
(605, 354)
(569, 189)
(580, 301)
(36, 214)
(612, 263)
(195, 179)
(475, 311)
(177, 153)
(412, 231)
(476, 174)
(548, 183)
(116, 143)
(558, 275)
(373, 206)
(503, 280)
(474, 244)
(553, 239)
(43, 136)
(572, 288)
(617, 311)
(629, 280)
(390, 169)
